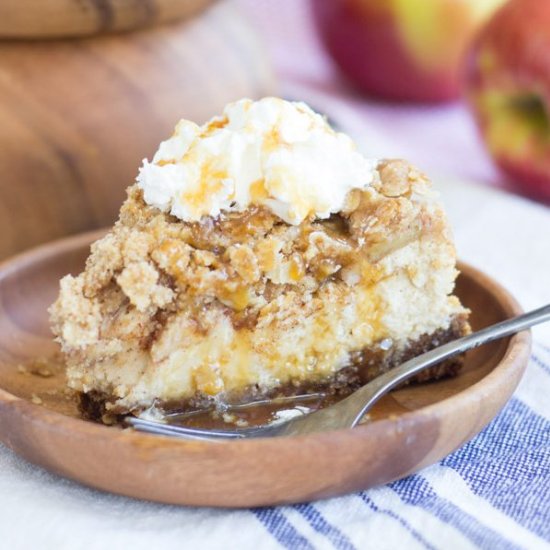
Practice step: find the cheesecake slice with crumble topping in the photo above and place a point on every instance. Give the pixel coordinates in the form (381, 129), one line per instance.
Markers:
(257, 255)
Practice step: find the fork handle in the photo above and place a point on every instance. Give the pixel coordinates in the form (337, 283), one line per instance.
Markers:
(348, 412)
(364, 398)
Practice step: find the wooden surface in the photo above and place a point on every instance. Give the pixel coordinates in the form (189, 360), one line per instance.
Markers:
(78, 116)
(413, 427)
(59, 18)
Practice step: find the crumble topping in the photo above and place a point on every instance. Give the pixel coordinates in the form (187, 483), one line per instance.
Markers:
(242, 260)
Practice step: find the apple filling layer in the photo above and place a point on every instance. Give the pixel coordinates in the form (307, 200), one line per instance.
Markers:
(176, 314)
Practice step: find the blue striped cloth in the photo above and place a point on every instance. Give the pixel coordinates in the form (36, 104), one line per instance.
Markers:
(493, 493)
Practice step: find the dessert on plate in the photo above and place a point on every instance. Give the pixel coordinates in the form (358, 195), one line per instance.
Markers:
(259, 254)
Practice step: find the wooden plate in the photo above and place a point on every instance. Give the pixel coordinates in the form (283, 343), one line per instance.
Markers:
(412, 428)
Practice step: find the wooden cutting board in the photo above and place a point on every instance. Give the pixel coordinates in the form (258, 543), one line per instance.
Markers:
(78, 116)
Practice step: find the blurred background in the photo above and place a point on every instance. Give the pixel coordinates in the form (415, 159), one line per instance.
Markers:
(88, 89)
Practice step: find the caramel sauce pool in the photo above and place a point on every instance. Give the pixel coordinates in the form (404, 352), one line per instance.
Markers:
(275, 410)
(253, 414)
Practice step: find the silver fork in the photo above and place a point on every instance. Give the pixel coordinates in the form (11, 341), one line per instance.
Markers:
(348, 412)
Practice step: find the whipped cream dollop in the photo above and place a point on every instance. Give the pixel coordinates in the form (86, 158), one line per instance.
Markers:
(271, 152)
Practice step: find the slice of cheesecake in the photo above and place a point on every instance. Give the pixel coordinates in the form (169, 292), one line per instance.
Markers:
(257, 255)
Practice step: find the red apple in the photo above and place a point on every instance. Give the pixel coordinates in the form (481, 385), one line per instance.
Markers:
(508, 88)
(401, 49)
